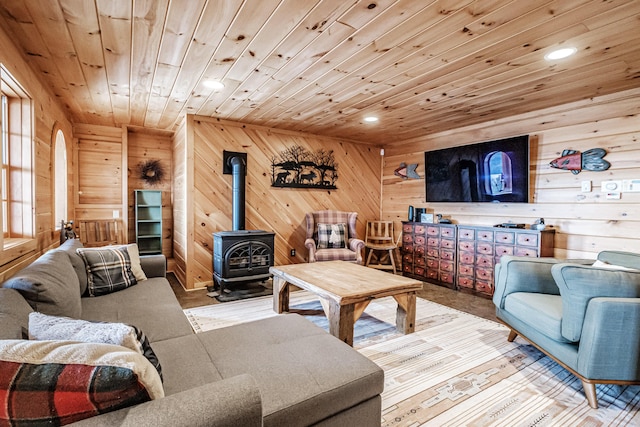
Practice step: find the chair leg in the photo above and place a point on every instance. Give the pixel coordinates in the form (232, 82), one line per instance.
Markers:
(590, 393)
(512, 335)
(393, 262)
(366, 264)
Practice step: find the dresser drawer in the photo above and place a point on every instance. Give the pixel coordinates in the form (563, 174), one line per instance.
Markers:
(466, 282)
(467, 258)
(484, 261)
(419, 262)
(484, 286)
(419, 240)
(526, 239)
(485, 274)
(485, 235)
(467, 233)
(432, 263)
(419, 271)
(418, 229)
(504, 250)
(407, 238)
(407, 248)
(432, 274)
(433, 231)
(505, 237)
(433, 252)
(447, 232)
(532, 252)
(446, 277)
(467, 246)
(466, 270)
(433, 241)
(447, 266)
(447, 255)
(447, 243)
(484, 248)
(407, 228)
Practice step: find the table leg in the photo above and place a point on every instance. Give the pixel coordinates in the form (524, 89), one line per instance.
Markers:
(406, 313)
(280, 295)
(341, 322)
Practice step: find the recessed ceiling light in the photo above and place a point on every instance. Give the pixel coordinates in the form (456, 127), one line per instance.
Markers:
(560, 53)
(213, 84)
(370, 119)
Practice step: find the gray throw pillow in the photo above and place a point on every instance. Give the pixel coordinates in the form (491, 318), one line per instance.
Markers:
(108, 270)
(14, 314)
(70, 247)
(50, 285)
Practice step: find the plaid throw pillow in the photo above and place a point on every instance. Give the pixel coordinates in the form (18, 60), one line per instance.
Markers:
(332, 236)
(108, 270)
(61, 382)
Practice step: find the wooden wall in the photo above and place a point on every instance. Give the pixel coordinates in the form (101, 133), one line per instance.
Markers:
(180, 201)
(49, 115)
(100, 159)
(267, 208)
(585, 223)
(144, 145)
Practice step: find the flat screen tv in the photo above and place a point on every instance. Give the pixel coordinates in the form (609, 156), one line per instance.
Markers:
(491, 171)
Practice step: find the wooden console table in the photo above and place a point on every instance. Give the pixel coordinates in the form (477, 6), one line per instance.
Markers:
(463, 257)
(345, 289)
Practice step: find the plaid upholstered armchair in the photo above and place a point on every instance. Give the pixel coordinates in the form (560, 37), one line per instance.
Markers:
(331, 235)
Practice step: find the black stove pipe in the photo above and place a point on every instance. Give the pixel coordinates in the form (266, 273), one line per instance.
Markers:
(238, 167)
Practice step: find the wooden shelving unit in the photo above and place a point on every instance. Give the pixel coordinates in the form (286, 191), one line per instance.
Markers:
(148, 217)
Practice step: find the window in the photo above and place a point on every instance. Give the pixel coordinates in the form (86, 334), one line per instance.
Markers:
(60, 179)
(17, 164)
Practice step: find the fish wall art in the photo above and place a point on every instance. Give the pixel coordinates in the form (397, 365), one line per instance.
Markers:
(575, 161)
(406, 171)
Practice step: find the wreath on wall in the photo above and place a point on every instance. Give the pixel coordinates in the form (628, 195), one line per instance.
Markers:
(151, 171)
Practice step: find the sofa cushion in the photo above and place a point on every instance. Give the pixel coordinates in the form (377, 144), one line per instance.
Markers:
(50, 285)
(44, 327)
(542, 311)
(304, 373)
(332, 236)
(150, 305)
(70, 247)
(108, 269)
(59, 382)
(14, 314)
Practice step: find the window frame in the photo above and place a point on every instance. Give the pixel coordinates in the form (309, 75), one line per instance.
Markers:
(18, 150)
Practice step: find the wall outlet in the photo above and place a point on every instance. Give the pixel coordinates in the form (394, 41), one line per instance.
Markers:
(586, 186)
(116, 214)
(293, 252)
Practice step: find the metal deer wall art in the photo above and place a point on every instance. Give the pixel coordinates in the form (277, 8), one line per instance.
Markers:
(297, 167)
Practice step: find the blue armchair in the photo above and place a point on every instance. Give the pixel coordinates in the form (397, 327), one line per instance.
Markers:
(584, 316)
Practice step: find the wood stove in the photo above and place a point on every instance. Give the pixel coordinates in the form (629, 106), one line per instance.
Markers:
(240, 256)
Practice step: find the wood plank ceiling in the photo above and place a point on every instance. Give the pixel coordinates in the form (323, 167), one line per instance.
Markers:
(321, 66)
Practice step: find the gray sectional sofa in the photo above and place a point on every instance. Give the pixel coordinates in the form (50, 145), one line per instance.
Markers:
(281, 371)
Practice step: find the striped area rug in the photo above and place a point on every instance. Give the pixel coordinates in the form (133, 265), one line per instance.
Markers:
(455, 370)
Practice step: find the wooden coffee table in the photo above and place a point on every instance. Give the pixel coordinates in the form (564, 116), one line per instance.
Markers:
(345, 289)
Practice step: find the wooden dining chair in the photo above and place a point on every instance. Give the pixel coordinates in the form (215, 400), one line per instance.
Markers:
(380, 238)
(99, 232)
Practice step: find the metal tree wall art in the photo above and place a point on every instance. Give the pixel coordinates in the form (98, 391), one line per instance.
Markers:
(296, 167)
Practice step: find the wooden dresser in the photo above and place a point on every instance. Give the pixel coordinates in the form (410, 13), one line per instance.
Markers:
(463, 257)
(429, 252)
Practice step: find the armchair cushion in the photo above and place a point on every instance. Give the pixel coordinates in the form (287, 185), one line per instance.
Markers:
(332, 236)
(542, 310)
(579, 284)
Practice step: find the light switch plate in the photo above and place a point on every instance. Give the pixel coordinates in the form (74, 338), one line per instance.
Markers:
(586, 186)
